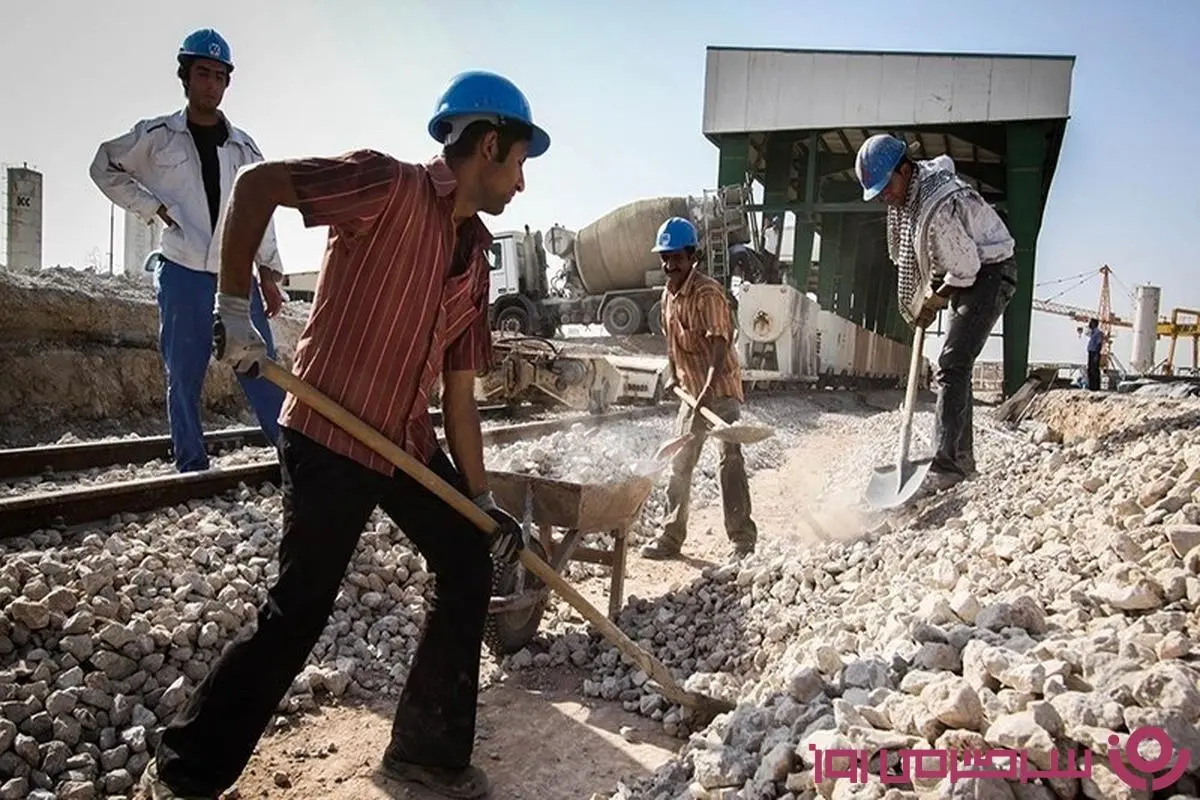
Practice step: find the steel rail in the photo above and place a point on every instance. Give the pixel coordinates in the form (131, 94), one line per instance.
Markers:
(32, 512)
(20, 462)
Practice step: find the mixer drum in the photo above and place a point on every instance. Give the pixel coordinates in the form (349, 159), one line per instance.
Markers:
(614, 251)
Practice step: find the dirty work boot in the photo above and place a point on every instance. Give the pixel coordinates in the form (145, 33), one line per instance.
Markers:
(743, 546)
(154, 789)
(468, 783)
(939, 480)
(663, 547)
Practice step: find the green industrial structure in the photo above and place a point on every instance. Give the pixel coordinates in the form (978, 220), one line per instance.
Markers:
(792, 121)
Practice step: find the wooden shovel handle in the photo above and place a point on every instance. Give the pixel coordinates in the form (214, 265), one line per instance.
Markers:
(705, 411)
(327, 408)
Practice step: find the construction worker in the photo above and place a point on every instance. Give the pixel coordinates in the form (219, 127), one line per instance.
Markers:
(952, 251)
(402, 298)
(698, 324)
(1094, 345)
(179, 168)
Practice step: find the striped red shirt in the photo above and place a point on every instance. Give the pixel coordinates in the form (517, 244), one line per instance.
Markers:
(395, 304)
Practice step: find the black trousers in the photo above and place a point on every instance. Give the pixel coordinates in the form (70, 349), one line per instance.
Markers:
(1093, 371)
(327, 501)
(973, 313)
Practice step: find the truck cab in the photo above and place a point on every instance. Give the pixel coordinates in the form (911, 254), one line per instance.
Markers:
(504, 277)
(518, 283)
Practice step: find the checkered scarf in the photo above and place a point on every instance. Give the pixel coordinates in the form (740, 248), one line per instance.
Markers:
(906, 227)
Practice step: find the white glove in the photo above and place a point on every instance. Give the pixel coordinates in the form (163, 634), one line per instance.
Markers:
(235, 339)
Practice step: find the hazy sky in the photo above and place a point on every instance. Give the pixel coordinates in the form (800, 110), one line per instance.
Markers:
(619, 86)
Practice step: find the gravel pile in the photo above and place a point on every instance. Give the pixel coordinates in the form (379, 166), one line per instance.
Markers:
(103, 637)
(1049, 606)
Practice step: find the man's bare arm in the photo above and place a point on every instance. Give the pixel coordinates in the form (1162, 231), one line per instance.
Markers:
(464, 436)
(257, 191)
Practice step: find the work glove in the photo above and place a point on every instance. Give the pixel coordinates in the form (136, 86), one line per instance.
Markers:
(235, 339)
(933, 304)
(509, 540)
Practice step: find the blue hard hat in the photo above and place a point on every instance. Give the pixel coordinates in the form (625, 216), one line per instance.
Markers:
(877, 157)
(206, 43)
(479, 94)
(675, 234)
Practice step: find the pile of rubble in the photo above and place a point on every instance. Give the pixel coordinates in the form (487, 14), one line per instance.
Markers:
(1050, 606)
(104, 637)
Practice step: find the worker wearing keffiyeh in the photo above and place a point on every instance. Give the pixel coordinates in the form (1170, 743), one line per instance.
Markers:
(952, 251)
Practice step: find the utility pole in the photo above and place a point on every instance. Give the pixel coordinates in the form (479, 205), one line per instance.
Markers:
(112, 213)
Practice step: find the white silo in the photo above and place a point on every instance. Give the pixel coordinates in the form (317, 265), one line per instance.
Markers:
(24, 218)
(141, 238)
(1145, 328)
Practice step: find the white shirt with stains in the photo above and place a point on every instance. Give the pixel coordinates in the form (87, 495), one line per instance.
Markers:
(964, 233)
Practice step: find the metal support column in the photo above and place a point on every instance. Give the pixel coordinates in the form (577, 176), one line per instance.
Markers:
(777, 175)
(853, 268)
(869, 253)
(802, 247)
(832, 283)
(806, 223)
(1026, 146)
(733, 159)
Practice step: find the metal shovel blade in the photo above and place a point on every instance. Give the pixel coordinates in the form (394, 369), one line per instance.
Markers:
(894, 485)
(741, 434)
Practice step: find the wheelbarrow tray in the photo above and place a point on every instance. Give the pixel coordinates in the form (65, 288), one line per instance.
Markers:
(579, 508)
(587, 507)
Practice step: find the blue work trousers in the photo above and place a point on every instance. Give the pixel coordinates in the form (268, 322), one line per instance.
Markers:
(185, 321)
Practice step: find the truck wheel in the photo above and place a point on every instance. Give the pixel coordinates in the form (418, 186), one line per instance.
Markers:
(622, 317)
(514, 319)
(656, 319)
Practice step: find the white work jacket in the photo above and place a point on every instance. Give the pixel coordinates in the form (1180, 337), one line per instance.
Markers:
(157, 164)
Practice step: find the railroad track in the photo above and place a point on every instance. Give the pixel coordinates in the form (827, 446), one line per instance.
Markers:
(32, 512)
(27, 461)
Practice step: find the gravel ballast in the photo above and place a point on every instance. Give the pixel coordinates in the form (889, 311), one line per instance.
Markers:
(1047, 605)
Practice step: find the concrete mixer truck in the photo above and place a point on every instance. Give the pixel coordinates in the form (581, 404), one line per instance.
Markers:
(609, 275)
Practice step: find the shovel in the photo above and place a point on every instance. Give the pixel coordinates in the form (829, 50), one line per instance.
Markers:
(894, 485)
(739, 433)
(703, 706)
(722, 431)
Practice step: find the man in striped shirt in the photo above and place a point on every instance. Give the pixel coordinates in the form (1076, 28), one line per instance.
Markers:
(401, 299)
(698, 323)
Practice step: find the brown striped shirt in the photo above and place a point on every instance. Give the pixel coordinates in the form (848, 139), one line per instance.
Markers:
(388, 315)
(691, 318)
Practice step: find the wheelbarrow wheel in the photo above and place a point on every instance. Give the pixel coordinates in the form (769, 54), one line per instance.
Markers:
(507, 632)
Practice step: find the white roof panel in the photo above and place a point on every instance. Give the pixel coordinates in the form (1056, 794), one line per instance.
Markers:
(747, 90)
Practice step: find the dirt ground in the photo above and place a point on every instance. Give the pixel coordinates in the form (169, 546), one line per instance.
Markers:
(538, 736)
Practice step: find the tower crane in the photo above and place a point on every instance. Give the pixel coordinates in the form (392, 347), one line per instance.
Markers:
(1108, 320)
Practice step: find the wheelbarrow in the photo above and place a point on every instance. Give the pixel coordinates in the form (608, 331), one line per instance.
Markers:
(519, 598)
